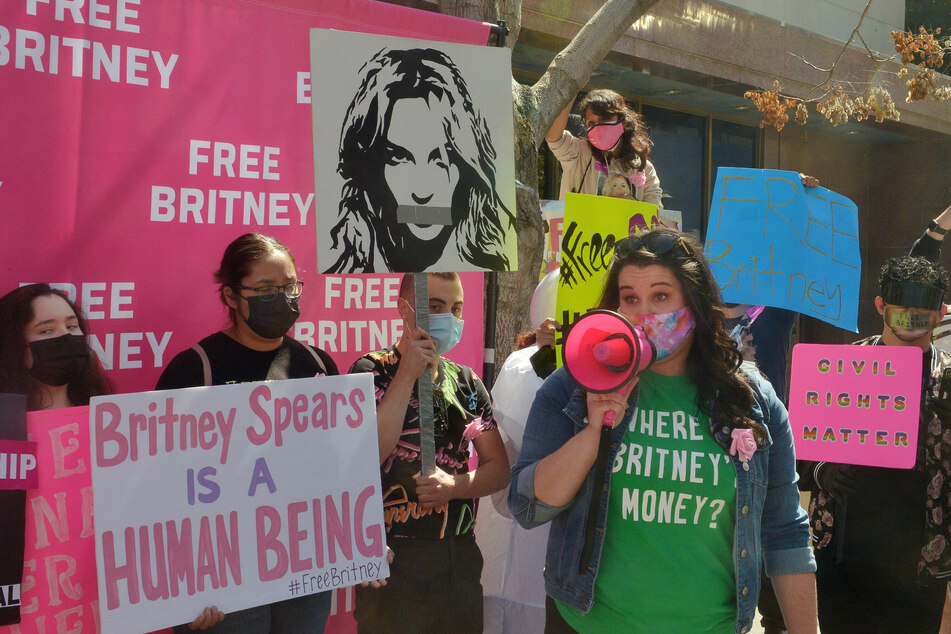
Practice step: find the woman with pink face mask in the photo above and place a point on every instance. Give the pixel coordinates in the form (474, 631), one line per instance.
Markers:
(612, 159)
(694, 487)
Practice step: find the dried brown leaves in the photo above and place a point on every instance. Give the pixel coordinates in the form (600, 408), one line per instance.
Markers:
(774, 105)
(926, 51)
(839, 103)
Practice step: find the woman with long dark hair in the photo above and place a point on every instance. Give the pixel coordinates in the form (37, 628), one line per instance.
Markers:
(698, 484)
(43, 350)
(611, 159)
(414, 143)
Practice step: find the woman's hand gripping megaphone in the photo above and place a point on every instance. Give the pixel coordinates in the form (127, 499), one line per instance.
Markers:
(603, 352)
(608, 408)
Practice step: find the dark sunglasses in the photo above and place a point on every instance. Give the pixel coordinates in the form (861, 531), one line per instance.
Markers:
(912, 295)
(656, 243)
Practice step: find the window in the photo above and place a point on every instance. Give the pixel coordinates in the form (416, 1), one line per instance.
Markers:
(677, 156)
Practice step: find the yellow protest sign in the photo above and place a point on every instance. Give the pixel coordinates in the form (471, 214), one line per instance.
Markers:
(592, 226)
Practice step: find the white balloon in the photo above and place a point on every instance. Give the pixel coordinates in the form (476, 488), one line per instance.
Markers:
(543, 300)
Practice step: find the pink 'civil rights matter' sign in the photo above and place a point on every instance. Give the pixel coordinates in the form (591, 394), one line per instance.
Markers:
(856, 404)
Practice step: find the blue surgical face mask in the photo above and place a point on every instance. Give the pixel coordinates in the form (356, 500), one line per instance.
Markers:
(446, 329)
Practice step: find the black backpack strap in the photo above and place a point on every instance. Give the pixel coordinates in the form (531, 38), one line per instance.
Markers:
(583, 174)
(281, 365)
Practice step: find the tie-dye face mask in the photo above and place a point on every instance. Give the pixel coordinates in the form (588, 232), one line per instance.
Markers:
(667, 331)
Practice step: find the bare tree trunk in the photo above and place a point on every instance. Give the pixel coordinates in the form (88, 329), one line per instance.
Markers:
(535, 109)
(481, 10)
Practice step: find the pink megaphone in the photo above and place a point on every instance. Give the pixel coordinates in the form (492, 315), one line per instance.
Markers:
(603, 351)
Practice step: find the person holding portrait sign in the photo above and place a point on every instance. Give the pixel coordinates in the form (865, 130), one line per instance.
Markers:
(258, 283)
(881, 535)
(434, 583)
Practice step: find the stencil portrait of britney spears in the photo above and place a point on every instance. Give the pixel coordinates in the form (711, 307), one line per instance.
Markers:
(420, 186)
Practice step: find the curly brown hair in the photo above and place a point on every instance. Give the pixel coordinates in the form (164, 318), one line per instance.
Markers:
(714, 360)
(636, 143)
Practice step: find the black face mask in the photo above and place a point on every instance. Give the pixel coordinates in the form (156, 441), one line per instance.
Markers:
(272, 319)
(60, 360)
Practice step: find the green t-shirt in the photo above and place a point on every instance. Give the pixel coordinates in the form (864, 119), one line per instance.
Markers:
(667, 562)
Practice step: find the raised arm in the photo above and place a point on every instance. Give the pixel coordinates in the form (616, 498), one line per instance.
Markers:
(928, 246)
(944, 222)
(558, 125)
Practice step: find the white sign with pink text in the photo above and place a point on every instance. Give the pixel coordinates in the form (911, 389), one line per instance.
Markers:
(233, 496)
(856, 404)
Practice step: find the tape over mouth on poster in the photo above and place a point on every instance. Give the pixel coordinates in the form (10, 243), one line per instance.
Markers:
(424, 215)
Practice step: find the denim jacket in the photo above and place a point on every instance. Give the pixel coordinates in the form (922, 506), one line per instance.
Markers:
(770, 523)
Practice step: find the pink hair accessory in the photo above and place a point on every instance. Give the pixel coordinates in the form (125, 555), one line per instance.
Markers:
(639, 179)
(743, 444)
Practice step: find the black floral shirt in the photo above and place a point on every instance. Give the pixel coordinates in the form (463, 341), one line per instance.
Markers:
(462, 411)
(934, 562)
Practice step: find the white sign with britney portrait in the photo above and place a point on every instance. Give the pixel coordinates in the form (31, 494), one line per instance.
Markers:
(421, 173)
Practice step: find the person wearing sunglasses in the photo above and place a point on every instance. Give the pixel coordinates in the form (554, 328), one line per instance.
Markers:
(612, 159)
(881, 534)
(257, 282)
(699, 479)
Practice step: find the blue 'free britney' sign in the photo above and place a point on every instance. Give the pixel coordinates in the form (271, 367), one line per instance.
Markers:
(770, 241)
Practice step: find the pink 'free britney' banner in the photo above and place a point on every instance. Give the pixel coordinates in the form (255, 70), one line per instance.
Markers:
(140, 138)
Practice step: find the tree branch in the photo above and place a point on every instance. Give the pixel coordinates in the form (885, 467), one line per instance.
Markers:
(871, 53)
(831, 70)
(572, 67)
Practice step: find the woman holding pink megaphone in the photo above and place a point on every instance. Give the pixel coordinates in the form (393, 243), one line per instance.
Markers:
(696, 486)
(612, 157)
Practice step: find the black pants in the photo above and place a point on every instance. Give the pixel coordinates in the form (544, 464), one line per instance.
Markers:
(434, 586)
(861, 597)
(302, 615)
(555, 623)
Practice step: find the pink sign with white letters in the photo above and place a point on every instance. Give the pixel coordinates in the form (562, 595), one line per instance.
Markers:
(856, 404)
(17, 464)
(140, 138)
(58, 592)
